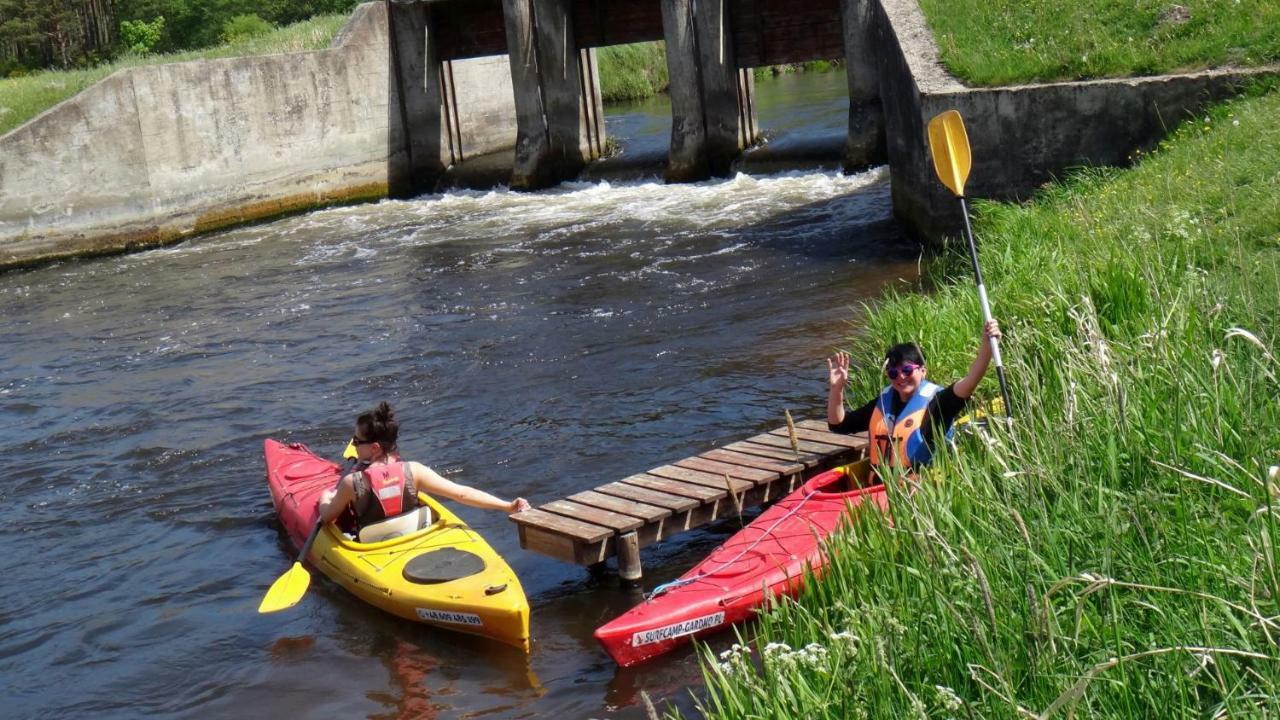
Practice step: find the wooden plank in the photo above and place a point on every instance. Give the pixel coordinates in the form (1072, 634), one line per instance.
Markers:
(754, 461)
(550, 522)
(829, 438)
(563, 547)
(777, 453)
(697, 477)
(701, 493)
(675, 503)
(712, 466)
(595, 516)
(644, 511)
(805, 445)
(557, 546)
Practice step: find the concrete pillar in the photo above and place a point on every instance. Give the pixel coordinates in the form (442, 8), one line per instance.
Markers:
(865, 144)
(558, 111)
(725, 108)
(713, 114)
(417, 134)
(532, 141)
(687, 156)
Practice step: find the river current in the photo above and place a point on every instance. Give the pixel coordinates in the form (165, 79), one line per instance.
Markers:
(532, 344)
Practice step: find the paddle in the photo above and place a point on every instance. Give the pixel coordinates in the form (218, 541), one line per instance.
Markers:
(289, 588)
(949, 144)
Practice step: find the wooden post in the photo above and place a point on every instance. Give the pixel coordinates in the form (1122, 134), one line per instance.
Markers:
(629, 559)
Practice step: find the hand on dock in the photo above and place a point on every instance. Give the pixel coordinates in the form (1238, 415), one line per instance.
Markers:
(519, 505)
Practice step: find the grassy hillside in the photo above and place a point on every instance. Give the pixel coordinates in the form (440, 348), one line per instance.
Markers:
(1114, 552)
(995, 42)
(22, 98)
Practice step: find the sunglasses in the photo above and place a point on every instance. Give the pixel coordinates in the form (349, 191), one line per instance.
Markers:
(904, 370)
(357, 441)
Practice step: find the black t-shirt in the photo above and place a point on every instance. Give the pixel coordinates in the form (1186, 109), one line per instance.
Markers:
(943, 410)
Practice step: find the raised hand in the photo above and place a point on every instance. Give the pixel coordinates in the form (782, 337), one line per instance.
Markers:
(838, 369)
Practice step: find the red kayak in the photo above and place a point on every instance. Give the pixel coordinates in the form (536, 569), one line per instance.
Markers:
(766, 558)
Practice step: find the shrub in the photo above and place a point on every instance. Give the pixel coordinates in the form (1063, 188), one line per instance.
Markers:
(243, 27)
(140, 36)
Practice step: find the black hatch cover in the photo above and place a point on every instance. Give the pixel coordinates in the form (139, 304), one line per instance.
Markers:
(442, 565)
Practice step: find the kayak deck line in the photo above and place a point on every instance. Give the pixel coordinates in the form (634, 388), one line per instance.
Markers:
(620, 517)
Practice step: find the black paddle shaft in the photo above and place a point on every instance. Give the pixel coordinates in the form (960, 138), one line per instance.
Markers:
(986, 308)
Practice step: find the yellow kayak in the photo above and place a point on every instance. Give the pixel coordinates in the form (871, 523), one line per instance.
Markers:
(441, 573)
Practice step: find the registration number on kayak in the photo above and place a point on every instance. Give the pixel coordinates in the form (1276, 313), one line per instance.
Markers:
(688, 627)
(453, 618)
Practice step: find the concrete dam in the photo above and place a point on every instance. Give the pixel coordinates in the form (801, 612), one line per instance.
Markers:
(152, 155)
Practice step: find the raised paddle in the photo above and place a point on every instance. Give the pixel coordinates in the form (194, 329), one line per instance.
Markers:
(289, 588)
(949, 144)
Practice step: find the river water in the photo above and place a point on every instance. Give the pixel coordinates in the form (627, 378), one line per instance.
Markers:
(532, 344)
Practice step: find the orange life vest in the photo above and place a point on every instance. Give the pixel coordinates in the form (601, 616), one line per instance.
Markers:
(896, 439)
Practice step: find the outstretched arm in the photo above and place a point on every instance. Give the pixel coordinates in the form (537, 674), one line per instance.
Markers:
(965, 386)
(837, 379)
(431, 482)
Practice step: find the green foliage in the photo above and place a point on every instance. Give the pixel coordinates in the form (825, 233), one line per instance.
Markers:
(243, 27)
(1113, 552)
(1014, 41)
(142, 37)
(632, 72)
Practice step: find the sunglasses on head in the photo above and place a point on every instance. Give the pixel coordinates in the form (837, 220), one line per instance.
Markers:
(904, 370)
(357, 441)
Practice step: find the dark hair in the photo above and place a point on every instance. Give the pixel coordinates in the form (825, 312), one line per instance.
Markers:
(904, 352)
(380, 426)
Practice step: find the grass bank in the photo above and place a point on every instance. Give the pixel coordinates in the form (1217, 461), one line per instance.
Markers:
(1114, 554)
(998, 42)
(23, 98)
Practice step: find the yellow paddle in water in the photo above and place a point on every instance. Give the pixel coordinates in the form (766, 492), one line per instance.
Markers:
(289, 588)
(949, 144)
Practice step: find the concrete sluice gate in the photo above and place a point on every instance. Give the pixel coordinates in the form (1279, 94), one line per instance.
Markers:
(153, 154)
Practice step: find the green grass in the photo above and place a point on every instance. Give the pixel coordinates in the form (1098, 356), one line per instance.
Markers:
(632, 72)
(1013, 41)
(1114, 553)
(23, 98)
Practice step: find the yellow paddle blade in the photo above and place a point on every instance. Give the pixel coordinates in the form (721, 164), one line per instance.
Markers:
(350, 452)
(949, 144)
(287, 590)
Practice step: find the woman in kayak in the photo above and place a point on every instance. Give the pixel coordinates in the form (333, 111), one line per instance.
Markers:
(386, 486)
(906, 418)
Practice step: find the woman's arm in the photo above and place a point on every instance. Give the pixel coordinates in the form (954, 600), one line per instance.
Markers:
(333, 502)
(429, 481)
(965, 386)
(837, 378)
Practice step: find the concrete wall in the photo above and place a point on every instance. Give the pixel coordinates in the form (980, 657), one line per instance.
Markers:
(153, 154)
(1021, 136)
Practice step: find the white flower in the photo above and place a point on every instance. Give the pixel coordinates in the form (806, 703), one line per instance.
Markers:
(948, 698)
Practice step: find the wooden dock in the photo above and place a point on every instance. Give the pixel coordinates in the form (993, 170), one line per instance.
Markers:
(619, 518)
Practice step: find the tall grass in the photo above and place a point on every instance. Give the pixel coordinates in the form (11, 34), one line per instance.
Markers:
(1113, 553)
(1011, 41)
(22, 98)
(632, 72)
